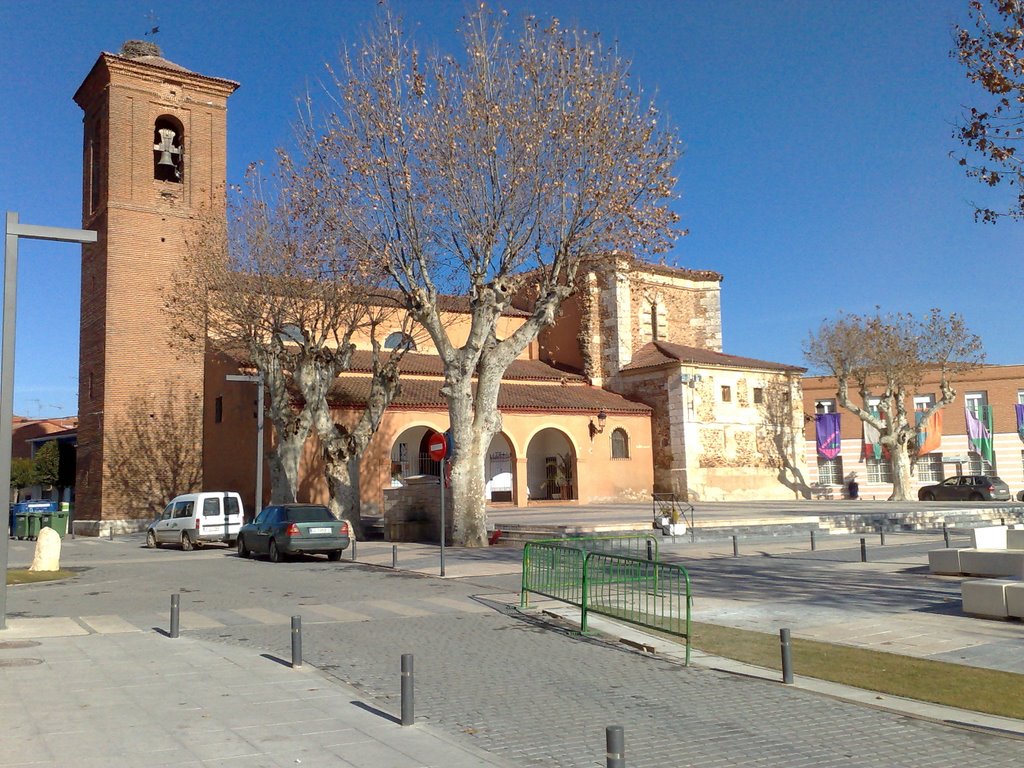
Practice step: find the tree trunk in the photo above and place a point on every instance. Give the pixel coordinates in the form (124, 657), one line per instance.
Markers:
(475, 419)
(343, 481)
(901, 482)
(284, 471)
(469, 516)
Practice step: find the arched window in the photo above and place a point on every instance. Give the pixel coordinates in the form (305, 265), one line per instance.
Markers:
(168, 150)
(620, 444)
(399, 340)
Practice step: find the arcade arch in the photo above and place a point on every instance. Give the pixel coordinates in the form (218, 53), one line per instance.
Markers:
(551, 466)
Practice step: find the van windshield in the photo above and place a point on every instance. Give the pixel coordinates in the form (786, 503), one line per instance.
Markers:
(309, 515)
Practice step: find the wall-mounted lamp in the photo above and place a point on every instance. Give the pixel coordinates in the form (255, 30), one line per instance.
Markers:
(819, 408)
(597, 429)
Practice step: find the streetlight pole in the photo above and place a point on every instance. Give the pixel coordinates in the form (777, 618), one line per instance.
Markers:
(258, 381)
(14, 231)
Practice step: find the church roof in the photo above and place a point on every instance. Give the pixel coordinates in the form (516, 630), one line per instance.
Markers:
(414, 363)
(703, 275)
(352, 391)
(657, 353)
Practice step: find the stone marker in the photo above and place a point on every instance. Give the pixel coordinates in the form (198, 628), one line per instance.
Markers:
(47, 556)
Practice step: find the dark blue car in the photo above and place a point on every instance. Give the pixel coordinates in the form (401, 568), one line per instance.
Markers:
(294, 529)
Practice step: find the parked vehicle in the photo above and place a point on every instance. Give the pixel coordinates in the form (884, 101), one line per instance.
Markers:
(966, 488)
(193, 519)
(292, 529)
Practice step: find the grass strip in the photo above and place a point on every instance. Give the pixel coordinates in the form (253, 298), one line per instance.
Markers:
(25, 576)
(955, 685)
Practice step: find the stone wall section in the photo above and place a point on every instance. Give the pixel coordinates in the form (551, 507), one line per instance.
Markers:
(413, 511)
(679, 310)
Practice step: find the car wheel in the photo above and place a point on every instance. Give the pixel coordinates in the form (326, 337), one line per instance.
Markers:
(243, 551)
(977, 497)
(275, 553)
(151, 541)
(334, 556)
(186, 543)
(928, 496)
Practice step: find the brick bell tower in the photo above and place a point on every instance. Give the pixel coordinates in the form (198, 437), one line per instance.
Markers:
(154, 158)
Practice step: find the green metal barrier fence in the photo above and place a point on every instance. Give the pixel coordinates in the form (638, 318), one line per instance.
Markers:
(640, 591)
(552, 570)
(635, 589)
(632, 546)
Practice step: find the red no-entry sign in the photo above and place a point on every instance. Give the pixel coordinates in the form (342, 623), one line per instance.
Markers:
(437, 446)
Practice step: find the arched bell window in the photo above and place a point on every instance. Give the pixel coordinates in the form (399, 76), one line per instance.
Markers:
(168, 150)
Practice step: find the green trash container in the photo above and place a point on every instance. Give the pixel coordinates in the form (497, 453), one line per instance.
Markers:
(21, 525)
(35, 520)
(56, 520)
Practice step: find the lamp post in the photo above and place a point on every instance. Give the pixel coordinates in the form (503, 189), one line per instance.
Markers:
(15, 230)
(258, 381)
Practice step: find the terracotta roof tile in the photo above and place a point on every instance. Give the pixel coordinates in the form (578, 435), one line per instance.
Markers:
(354, 390)
(658, 353)
(430, 365)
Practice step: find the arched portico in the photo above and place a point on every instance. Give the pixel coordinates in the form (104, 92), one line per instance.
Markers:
(551, 466)
(500, 469)
(409, 453)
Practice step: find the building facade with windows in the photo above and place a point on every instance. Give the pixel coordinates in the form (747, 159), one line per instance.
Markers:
(628, 392)
(987, 398)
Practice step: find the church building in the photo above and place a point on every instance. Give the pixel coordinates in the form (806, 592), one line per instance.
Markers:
(628, 393)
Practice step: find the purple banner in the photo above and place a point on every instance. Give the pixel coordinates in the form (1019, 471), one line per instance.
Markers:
(1020, 420)
(826, 427)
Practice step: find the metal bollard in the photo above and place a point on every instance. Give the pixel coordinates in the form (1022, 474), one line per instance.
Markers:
(787, 656)
(296, 642)
(945, 535)
(615, 747)
(881, 536)
(735, 547)
(863, 551)
(394, 556)
(175, 603)
(650, 550)
(407, 690)
(110, 532)
(353, 550)
(812, 541)
(1002, 521)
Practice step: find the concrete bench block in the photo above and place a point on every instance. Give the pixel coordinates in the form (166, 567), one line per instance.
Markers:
(1015, 599)
(1015, 538)
(992, 562)
(985, 597)
(944, 561)
(989, 537)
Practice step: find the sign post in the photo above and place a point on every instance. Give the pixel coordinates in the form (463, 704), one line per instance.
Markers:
(437, 447)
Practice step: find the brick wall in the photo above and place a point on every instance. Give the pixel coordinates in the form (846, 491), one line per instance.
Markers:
(126, 349)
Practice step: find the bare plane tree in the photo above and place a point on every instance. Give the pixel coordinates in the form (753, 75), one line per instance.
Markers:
(887, 356)
(152, 454)
(497, 175)
(277, 285)
(991, 132)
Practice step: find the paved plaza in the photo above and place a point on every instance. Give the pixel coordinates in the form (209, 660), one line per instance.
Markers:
(494, 685)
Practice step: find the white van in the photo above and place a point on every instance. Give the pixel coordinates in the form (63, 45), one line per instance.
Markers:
(195, 518)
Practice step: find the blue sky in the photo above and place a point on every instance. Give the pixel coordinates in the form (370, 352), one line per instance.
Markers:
(815, 177)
